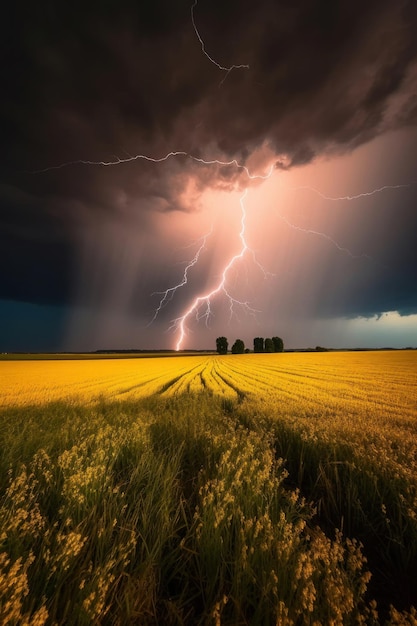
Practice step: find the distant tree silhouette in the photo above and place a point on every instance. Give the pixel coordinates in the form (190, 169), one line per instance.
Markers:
(278, 344)
(222, 345)
(258, 344)
(269, 345)
(238, 347)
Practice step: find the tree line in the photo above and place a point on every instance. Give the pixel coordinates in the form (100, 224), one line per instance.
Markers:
(270, 344)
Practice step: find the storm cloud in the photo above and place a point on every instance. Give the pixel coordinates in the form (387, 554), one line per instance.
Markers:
(86, 84)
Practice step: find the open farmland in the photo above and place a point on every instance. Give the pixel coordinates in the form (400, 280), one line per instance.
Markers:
(357, 380)
(250, 489)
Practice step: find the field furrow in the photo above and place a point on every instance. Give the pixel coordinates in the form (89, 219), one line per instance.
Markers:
(207, 489)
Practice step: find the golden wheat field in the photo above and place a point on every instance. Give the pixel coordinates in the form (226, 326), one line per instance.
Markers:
(236, 490)
(358, 381)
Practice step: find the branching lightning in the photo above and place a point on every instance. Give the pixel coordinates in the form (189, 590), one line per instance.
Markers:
(210, 58)
(318, 233)
(201, 305)
(364, 194)
(169, 293)
(169, 155)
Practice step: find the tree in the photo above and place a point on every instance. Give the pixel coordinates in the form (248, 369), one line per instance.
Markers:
(258, 344)
(278, 344)
(269, 345)
(222, 345)
(238, 347)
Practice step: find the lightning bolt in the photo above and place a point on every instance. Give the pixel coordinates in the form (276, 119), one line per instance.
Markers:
(169, 293)
(318, 233)
(169, 155)
(201, 305)
(363, 194)
(210, 58)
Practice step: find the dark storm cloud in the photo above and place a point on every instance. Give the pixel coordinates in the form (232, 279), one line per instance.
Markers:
(100, 81)
(112, 78)
(384, 278)
(35, 255)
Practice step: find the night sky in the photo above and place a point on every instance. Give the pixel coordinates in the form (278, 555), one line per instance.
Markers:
(321, 129)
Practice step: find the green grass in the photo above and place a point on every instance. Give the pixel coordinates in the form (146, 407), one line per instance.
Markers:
(193, 510)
